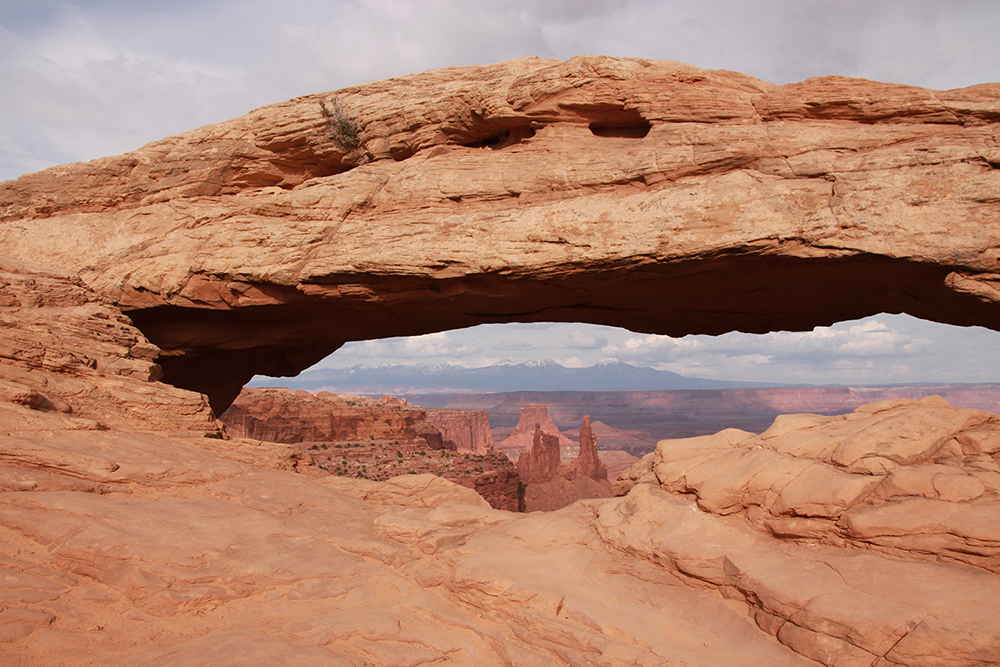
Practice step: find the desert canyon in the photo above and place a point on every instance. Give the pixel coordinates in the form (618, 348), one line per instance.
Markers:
(139, 293)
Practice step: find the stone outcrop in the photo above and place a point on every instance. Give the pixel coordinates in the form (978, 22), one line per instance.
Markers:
(550, 484)
(522, 436)
(70, 360)
(281, 415)
(541, 462)
(652, 195)
(468, 429)
(915, 479)
(128, 537)
(364, 438)
(588, 463)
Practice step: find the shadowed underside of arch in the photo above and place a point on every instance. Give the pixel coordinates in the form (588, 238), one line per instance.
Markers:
(654, 196)
(750, 293)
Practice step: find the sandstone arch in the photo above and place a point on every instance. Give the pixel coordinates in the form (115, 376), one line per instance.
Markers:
(651, 195)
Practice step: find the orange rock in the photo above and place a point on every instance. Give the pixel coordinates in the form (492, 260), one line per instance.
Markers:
(541, 462)
(261, 244)
(881, 477)
(522, 437)
(674, 185)
(468, 429)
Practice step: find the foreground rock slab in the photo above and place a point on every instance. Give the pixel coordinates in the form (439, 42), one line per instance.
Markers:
(916, 479)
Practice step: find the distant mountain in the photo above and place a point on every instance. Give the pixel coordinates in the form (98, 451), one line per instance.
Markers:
(546, 375)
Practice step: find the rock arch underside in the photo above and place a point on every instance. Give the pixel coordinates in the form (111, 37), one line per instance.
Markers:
(656, 196)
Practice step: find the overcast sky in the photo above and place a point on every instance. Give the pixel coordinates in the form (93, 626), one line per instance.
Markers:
(86, 78)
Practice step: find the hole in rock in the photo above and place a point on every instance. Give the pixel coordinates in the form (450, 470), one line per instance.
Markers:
(884, 349)
(638, 389)
(495, 133)
(217, 351)
(503, 138)
(606, 120)
(620, 131)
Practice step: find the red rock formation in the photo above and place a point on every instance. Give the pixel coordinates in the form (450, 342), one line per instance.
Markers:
(541, 462)
(281, 415)
(360, 437)
(127, 538)
(469, 430)
(551, 485)
(393, 400)
(522, 437)
(588, 463)
(718, 202)
(917, 479)
(71, 360)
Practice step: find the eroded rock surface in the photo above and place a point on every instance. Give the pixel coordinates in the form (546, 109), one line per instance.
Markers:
(283, 415)
(551, 484)
(652, 195)
(468, 429)
(129, 538)
(364, 438)
(915, 479)
(532, 418)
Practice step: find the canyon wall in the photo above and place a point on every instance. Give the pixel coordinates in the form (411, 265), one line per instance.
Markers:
(468, 429)
(365, 438)
(280, 415)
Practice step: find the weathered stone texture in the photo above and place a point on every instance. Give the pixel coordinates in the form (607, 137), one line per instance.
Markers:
(652, 195)
(719, 201)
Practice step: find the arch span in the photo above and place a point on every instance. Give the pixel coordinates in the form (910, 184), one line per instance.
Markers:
(708, 202)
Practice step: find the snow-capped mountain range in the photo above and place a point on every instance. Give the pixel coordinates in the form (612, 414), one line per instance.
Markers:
(544, 375)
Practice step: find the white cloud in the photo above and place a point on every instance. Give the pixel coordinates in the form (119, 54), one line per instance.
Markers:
(881, 349)
(433, 345)
(585, 339)
(86, 78)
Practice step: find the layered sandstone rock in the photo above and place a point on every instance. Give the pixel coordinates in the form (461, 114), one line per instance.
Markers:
(260, 244)
(915, 479)
(282, 415)
(588, 463)
(70, 360)
(549, 484)
(522, 437)
(364, 438)
(541, 462)
(468, 429)
(652, 195)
